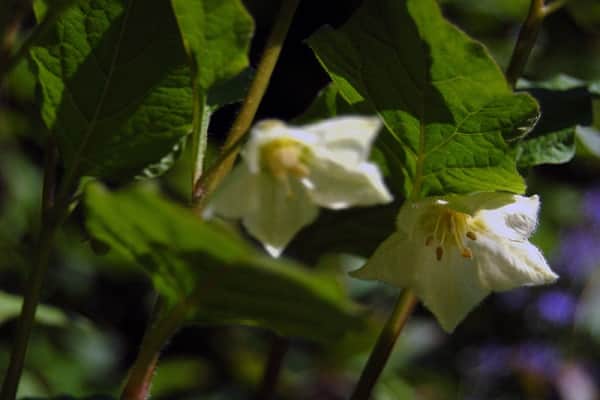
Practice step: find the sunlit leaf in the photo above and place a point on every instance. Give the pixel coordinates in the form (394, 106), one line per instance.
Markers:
(443, 99)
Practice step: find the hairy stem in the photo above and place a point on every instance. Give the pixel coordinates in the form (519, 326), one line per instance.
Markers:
(384, 346)
(137, 386)
(208, 183)
(527, 37)
(50, 221)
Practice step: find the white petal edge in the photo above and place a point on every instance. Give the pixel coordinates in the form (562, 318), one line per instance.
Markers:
(347, 139)
(278, 215)
(515, 221)
(504, 265)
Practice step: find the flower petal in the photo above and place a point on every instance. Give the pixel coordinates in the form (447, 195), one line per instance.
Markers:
(278, 213)
(227, 200)
(348, 139)
(335, 186)
(394, 262)
(515, 221)
(450, 287)
(504, 264)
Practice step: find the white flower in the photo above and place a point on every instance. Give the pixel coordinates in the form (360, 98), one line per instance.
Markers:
(454, 251)
(288, 171)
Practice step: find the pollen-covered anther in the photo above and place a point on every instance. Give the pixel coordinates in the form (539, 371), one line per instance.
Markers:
(466, 253)
(439, 252)
(471, 235)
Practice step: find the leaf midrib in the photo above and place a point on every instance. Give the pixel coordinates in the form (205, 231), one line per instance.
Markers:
(72, 172)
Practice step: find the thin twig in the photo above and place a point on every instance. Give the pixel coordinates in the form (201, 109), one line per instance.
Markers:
(50, 221)
(251, 102)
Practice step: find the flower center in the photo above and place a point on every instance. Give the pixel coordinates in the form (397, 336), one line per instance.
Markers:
(446, 228)
(284, 157)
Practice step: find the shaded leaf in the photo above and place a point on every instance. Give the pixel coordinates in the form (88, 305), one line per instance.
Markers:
(113, 108)
(443, 99)
(234, 283)
(553, 148)
(216, 35)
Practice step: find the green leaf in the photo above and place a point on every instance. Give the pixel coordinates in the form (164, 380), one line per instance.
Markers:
(236, 284)
(443, 99)
(566, 104)
(216, 35)
(553, 148)
(115, 88)
(10, 307)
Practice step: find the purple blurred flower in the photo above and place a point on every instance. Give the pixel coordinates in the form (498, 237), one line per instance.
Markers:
(557, 306)
(579, 253)
(591, 206)
(537, 358)
(491, 359)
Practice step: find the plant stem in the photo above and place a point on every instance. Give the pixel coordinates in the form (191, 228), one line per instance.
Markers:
(279, 347)
(525, 41)
(208, 183)
(139, 380)
(385, 343)
(49, 224)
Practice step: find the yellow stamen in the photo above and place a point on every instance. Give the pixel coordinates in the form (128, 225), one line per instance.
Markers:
(284, 157)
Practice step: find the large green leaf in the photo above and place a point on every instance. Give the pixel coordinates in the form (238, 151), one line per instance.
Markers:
(216, 35)
(234, 283)
(115, 87)
(443, 99)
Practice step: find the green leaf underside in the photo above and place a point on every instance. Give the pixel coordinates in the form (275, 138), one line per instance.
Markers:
(216, 35)
(115, 87)
(444, 101)
(235, 283)
(553, 148)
